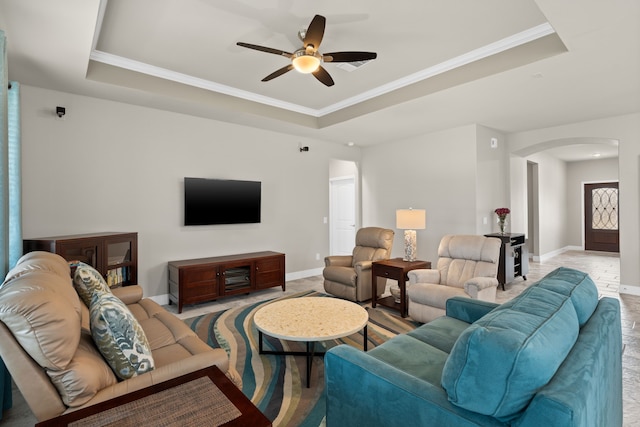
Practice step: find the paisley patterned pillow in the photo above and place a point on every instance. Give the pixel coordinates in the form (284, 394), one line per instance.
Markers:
(119, 336)
(88, 281)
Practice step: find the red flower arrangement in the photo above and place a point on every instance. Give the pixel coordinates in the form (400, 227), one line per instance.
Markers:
(502, 212)
(502, 218)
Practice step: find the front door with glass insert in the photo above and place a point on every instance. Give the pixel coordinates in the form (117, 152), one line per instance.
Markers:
(601, 217)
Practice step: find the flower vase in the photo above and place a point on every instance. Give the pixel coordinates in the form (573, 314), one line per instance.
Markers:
(502, 223)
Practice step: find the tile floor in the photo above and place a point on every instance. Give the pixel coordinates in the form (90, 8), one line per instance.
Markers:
(604, 268)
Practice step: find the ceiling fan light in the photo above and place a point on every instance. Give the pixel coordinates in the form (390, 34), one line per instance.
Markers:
(306, 63)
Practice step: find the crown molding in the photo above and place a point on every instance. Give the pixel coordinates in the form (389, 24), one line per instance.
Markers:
(505, 44)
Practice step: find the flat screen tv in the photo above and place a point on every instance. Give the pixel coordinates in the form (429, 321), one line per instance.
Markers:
(221, 201)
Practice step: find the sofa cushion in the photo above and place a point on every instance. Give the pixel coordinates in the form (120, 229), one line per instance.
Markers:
(575, 284)
(88, 281)
(39, 260)
(501, 360)
(42, 311)
(119, 336)
(415, 357)
(84, 376)
(442, 333)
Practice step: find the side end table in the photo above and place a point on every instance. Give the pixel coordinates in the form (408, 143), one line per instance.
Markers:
(395, 269)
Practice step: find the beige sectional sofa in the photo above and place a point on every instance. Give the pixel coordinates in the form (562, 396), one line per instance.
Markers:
(47, 344)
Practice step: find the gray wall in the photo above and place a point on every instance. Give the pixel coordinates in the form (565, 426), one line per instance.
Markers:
(453, 174)
(116, 167)
(552, 203)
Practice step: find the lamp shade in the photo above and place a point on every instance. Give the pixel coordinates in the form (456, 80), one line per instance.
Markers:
(411, 219)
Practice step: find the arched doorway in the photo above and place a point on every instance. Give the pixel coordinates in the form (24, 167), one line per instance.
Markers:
(551, 190)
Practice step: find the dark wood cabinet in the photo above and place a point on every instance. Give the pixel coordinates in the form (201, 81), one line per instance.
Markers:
(113, 254)
(514, 257)
(205, 279)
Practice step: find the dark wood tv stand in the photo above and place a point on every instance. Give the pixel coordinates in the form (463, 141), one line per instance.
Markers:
(206, 279)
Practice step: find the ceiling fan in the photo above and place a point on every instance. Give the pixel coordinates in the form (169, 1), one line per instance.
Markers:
(307, 59)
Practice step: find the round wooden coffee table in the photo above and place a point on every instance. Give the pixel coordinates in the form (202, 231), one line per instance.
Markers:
(310, 319)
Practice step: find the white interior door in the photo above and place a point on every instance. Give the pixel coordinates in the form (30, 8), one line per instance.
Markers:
(343, 215)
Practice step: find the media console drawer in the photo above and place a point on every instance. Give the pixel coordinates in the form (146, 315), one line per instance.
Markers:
(205, 279)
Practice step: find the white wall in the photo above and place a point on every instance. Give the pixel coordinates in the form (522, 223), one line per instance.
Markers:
(116, 167)
(579, 173)
(625, 129)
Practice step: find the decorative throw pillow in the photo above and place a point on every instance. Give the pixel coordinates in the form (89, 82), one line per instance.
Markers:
(119, 336)
(88, 281)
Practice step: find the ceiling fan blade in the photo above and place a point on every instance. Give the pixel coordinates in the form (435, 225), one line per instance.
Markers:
(315, 32)
(322, 75)
(348, 56)
(265, 49)
(278, 73)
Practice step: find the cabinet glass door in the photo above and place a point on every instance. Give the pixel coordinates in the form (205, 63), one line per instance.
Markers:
(86, 252)
(120, 269)
(236, 278)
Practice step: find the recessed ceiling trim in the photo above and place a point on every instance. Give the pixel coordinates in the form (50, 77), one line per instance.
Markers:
(163, 73)
(459, 61)
(507, 43)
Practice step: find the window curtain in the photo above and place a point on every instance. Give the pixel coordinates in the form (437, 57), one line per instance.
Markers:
(10, 199)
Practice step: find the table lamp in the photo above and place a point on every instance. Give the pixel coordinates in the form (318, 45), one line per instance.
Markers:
(410, 220)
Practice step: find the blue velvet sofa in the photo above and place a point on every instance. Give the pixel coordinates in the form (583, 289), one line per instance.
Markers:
(550, 357)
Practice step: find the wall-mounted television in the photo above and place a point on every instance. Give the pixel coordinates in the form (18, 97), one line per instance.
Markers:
(221, 201)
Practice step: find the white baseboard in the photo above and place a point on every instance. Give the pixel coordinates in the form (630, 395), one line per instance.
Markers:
(302, 274)
(549, 255)
(164, 299)
(629, 290)
(160, 299)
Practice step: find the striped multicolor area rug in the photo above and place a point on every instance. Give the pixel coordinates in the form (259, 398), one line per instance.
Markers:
(277, 384)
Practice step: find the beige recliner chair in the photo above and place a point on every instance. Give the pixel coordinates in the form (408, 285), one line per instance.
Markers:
(349, 276)
(467, 266)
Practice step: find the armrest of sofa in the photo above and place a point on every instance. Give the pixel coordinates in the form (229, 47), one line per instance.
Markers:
(338, 261)
(476, 284)
(424, 275)
(128, 294)
(468, 309)
(362, 390)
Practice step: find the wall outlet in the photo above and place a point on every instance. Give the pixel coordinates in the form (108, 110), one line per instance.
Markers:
(324, 220)
(317, 257)
(494, 142)
(484, 221)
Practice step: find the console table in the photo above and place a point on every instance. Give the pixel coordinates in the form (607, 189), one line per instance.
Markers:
(395, 269)
(206, 279)
(514, 257)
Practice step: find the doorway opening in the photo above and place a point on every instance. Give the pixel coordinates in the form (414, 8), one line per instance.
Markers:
(343, 206)
(532, 210)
